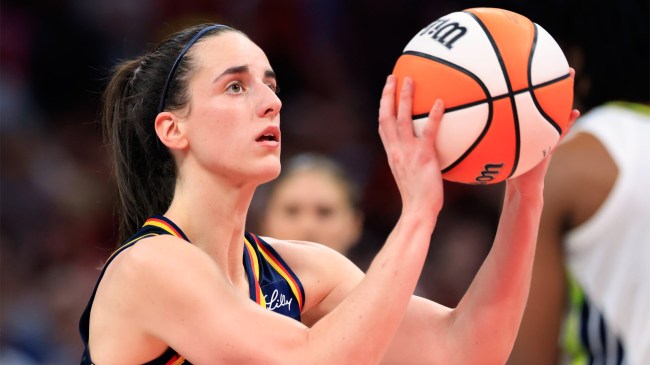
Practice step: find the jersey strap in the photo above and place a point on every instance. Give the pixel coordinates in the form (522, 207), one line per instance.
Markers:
(272, 283)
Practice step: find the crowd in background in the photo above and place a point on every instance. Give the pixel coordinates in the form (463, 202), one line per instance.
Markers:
(331, 57)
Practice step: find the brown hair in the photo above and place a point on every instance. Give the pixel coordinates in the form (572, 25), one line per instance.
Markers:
(144, 169)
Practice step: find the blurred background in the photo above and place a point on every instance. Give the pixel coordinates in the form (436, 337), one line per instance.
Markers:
(331, 57)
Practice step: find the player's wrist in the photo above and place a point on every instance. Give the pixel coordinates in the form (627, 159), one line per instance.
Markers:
(419, 216)
(531, 195)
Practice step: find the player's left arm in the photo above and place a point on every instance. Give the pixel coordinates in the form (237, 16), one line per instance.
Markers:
(429, 333)
(481, 329)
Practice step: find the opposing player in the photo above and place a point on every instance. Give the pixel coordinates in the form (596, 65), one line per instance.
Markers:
(589, 297)
(194, 129)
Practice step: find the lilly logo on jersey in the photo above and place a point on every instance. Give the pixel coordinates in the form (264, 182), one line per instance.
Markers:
(277, 300)
(442, 29)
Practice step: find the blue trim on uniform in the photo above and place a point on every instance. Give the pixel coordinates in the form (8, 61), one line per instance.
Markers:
(177, 228)
(250, 275)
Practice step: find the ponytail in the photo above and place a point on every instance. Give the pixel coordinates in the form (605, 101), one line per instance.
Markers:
(144, 168)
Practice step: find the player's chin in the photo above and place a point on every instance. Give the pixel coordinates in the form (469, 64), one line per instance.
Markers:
(269, 168)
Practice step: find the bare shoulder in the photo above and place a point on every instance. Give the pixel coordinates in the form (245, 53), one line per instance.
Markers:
(580, 177)
(138, 284)
(580, 155)
(150, 265)
(154, 256)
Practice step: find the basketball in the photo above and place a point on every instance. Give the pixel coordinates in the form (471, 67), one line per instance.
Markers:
(506, 86)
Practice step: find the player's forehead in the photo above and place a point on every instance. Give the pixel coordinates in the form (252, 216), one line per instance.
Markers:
(229, 49)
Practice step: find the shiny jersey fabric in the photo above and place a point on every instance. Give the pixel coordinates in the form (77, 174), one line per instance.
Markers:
(272, 284)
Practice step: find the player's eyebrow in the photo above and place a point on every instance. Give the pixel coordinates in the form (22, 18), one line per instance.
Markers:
(269, 74)
(231, 71)
(242, 69)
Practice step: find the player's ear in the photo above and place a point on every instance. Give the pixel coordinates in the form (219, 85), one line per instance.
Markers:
(169, 129)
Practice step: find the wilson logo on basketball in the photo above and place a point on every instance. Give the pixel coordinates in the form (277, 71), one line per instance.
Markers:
(435, 30)
(489, 172)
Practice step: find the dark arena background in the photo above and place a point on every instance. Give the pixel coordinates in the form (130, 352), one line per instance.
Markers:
(331, 57)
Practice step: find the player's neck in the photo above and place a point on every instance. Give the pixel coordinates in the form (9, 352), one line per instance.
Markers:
(213, 216)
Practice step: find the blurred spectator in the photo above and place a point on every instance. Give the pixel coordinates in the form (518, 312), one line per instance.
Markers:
(313, 200)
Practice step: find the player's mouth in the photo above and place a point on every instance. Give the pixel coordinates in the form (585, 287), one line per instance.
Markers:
(270, 136)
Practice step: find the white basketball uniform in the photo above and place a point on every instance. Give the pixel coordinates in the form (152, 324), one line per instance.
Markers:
(608, 257)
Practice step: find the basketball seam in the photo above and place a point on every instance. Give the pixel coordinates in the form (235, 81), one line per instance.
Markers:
(485, 90)
(498, 97)
(515, 116)
(530, 83)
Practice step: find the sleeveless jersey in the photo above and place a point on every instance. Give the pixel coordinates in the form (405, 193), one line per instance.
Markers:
(608, 257)
(272, 284)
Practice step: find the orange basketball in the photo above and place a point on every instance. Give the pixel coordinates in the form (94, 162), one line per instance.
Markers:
(506, 87)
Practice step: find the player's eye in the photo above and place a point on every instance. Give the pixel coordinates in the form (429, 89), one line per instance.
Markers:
(235, 87)
(274, 87)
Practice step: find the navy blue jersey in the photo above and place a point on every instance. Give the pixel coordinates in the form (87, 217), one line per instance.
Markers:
(272, 284)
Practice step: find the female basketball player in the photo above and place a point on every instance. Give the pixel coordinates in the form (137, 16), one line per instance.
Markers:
(194, 129)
